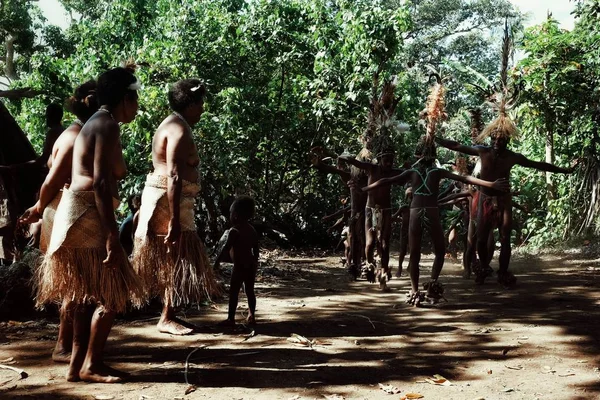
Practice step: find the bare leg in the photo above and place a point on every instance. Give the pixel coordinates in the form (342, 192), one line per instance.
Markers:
(235, 285)
(386, 233)
(169, 323)
(249, 286)
(505, 277)
(81, 336)
(415, 231)
(64, 343)
(470, 249)
(484, 227)
(94, 369)
(438, 241)
(403, 246)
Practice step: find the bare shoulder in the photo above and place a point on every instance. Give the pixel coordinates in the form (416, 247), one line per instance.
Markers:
(172, 128)
(101, 125)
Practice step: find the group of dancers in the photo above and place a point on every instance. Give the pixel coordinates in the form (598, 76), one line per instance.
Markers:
(487, 200)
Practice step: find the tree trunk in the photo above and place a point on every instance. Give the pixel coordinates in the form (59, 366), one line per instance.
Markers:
(549, 159)
(9, 66)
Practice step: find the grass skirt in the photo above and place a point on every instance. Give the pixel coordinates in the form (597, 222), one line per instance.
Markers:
(72, 269)
(183, 275)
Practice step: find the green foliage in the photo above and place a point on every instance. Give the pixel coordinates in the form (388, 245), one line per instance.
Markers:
(282, 76)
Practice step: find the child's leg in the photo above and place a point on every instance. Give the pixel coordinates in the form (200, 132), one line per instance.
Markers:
(249, 280)
(235, 285)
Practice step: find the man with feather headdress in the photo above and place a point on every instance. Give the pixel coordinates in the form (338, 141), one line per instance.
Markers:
(379, 148)
(494, 208)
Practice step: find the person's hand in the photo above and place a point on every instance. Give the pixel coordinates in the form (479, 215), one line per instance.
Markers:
(112, 251)
(30, 216)
(174, 234)
(501, 184)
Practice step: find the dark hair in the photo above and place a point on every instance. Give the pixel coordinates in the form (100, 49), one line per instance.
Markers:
(113, 86)
(54, 114)
(244, 206)
(186, 92)
(84, 102)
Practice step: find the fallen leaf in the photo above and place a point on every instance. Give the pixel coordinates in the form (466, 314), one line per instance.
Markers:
(7, 360)
(567, 374)
(508, 390)
(410, 396)
(190, 389)
(489, 371)
(523, 338)
(389, 389)
(479, 398)
(299, 339)
(104, 397)
(439, 380)
(296, 397)
(582, 361)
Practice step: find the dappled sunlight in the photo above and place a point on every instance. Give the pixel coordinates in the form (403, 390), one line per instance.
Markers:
(359, 337)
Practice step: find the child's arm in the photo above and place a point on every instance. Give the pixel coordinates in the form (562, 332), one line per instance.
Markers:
(396, 180)
(501, 185)
(233, 233)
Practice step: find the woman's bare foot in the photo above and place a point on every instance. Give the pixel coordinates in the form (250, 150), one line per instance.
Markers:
(173, 327)
(73, 375)
(100, 374)
(60, 355)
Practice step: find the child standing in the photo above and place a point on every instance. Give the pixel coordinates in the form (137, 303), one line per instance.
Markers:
(241, 248)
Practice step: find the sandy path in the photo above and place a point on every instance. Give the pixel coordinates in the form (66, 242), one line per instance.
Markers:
(537, 341)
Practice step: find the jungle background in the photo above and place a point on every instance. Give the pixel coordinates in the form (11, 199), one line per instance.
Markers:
(286, 75)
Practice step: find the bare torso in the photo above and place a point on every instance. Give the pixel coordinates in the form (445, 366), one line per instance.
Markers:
(82, 176)
(174, 129)
(242, 249)
(381, 197)
(495, 166)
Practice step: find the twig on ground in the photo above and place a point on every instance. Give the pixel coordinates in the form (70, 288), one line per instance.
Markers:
(18, 371)
(367, 318)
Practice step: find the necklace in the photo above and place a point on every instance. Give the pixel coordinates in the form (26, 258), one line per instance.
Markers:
(106, 111)
(78, 122)
(175, 113)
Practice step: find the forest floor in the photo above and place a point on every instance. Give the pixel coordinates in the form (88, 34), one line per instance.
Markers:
(539, 340)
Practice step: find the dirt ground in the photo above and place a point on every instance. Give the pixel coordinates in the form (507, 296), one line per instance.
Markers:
(536, 341)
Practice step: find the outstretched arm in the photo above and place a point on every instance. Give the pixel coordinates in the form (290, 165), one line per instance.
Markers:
(542, 166)
(461, 148)
(499, 184)
(396, 180)
(358, 164)
(456, 196)
(336, 214)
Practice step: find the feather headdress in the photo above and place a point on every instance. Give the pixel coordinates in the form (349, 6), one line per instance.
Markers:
(382, 125)
(502, 97)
